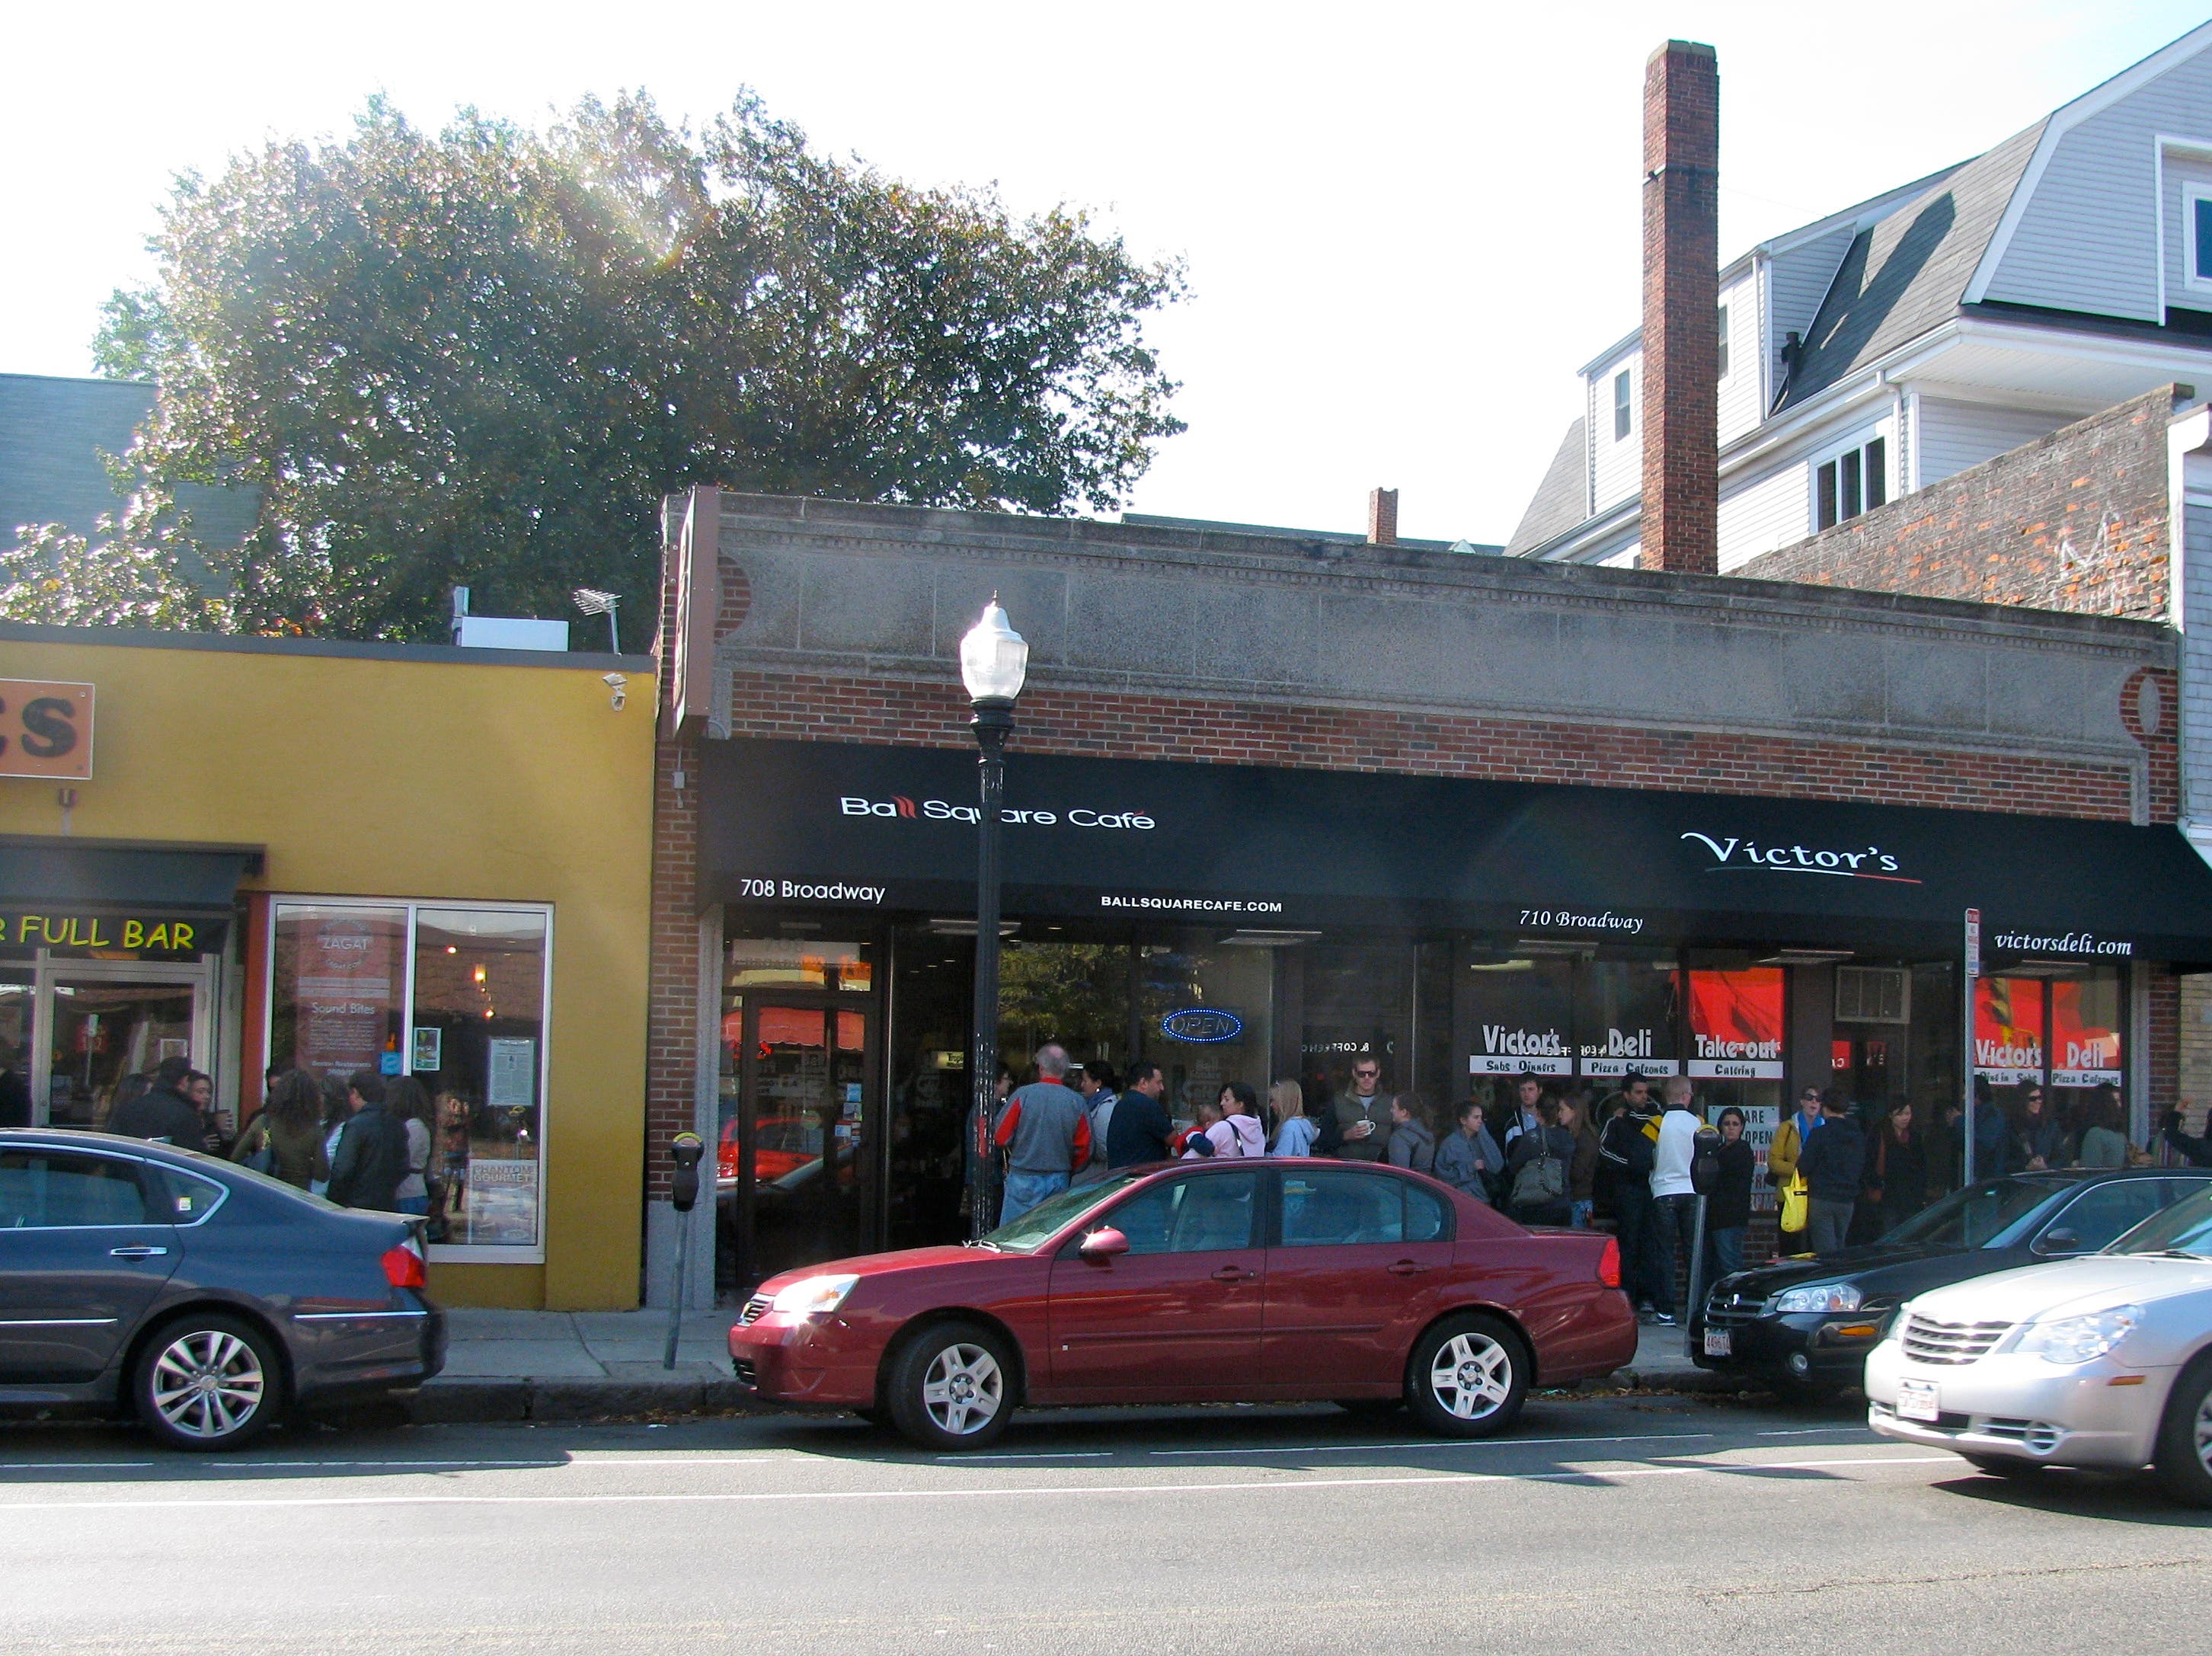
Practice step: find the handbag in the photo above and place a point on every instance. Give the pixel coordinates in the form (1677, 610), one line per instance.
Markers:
(1796, 1208)
(262, 1159)
(1542, 1177)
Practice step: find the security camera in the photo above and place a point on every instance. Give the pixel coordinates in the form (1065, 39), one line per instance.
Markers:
(617, 684)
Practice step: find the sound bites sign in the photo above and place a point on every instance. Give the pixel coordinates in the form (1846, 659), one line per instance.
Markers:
(45, 729)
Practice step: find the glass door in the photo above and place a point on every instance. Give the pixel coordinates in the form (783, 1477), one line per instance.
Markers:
(801, 1185)
(17, 1004)
(102, 1031)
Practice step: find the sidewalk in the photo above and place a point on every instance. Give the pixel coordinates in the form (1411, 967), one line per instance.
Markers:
(585, 1365)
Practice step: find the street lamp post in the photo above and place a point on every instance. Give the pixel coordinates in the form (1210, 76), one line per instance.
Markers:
(994, 661)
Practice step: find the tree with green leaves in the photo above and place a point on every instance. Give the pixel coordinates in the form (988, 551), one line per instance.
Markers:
(481, 358)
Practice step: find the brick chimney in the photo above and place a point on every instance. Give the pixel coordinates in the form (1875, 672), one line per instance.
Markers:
(1682, 304)
(1381, 517)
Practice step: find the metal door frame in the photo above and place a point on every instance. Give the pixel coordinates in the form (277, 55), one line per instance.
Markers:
(203, 977)
(867, 1153)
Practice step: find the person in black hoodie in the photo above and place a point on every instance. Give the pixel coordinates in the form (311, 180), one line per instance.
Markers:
(163, 1113)
(1138, 1131)
(1728, 1209)
(1832, 1160)
(1628, 1148)
(372, 1153)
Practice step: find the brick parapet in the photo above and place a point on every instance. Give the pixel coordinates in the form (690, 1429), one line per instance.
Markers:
(2074, 521)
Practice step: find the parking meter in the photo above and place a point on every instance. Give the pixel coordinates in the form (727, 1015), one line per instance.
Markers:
(685, 1149)
(684, 1190)
(1705, 1161)
(1704, 1179)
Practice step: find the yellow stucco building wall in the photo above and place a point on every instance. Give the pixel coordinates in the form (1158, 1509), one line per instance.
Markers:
(420, 773)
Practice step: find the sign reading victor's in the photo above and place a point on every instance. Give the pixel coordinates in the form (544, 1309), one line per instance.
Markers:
(1520, 1011)
(2008, 1029)
(45, 729)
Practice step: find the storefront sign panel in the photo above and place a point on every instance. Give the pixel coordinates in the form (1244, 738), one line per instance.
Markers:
(112, 935)
(2008, 1029)
(2085, 1037)
(1735, 1025)
(45, 729)
(343, 972)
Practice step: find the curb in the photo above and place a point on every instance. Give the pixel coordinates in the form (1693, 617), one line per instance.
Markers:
(473, 1402)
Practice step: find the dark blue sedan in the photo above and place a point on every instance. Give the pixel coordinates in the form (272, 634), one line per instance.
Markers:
(201, 1298)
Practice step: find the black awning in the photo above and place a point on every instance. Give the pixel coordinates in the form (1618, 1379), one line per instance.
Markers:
(848, 826)
(52, 890)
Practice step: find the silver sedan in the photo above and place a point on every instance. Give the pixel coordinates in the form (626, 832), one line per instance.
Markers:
(2104, 1361)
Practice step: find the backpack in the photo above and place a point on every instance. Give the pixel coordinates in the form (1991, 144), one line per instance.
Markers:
(1542, 1177)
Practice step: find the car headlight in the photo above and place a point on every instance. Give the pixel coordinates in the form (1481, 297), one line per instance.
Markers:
(1821, 1296)
(813, 1296)
(2080, 1339)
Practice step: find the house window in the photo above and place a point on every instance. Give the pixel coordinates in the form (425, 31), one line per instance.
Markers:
(1622, 419)
(1721, 361)
(2199, 201)
(1854, 481)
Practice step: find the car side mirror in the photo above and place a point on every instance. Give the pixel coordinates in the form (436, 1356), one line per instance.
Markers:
(1102, 1245)
(2064, 1239)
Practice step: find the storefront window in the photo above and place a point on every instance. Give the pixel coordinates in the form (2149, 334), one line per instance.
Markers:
(477, 1044)
(1626, 1014)
(2009, 1028)
(1207, 1014)
(1520, 1015)
(455, 996)
(2085, 1029)
(339, 980)
(15, 1004)
(1358, 1004)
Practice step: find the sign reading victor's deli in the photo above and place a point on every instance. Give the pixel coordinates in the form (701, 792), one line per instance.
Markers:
(45, 729)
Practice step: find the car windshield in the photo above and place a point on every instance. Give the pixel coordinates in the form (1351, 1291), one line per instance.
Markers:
(2185, 1228)
(1975, 1216)
(1036, 1226)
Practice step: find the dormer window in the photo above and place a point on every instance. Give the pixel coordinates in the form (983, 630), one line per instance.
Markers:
(1623, 414)
(2197, 232)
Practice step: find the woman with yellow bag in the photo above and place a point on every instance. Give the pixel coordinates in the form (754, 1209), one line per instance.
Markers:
(1782, 1169)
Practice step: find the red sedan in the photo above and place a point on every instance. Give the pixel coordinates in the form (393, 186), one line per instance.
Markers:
(1252, 1281)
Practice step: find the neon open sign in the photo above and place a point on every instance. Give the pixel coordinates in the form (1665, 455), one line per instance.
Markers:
(1202, 1025)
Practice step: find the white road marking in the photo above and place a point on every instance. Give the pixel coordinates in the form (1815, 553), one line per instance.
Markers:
(1431, 1443)
(1600, 1473)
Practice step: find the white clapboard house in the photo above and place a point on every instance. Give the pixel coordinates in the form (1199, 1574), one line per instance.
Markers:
(1902, 340)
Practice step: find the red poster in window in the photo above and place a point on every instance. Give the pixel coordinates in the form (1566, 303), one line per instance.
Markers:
(2085, 1034)
(1735, 1024)
(790, 1027)
(2008, 1029)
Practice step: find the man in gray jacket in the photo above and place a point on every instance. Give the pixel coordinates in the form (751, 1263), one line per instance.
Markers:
(1046, 1134)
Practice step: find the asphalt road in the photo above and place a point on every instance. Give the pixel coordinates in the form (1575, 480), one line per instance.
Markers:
(1646, 1524)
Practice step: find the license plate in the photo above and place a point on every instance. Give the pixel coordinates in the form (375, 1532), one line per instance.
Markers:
(1718, 1342)
(1919, 1400)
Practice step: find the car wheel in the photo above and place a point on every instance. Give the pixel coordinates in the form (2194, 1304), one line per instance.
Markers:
(1467, 1377)
(2006, 1466)
(1371, 1408)
(952, 1387)
(2182, 1459)
(207, 1381)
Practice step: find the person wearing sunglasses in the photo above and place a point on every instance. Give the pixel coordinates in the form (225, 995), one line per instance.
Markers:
(1363, 1115)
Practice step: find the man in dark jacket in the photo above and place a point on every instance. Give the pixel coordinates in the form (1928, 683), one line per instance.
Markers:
(1137, 1131)
(2198, 1150)
(1832, 1161)
(372, 1152)
(163, 1113)
(1628, 1148)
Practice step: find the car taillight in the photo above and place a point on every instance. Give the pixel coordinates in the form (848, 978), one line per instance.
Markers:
(1608, 1264)
(402, 1268)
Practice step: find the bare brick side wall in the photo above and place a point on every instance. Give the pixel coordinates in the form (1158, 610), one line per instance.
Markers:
(1107, 724)
(2164, 1054)
(672, 1063)
(2161, 740)
(2075, 521)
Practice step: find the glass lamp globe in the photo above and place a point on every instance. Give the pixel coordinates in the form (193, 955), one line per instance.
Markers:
(994, 659)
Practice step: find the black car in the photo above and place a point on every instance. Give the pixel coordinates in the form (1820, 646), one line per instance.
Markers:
(1806, 1324)
(203, 1298)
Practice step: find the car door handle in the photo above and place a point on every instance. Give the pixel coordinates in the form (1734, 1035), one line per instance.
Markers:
(1233, 1274)
(139, 1251)
(1407, 1268)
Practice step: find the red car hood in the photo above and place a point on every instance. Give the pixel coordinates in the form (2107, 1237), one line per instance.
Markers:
(887, 1264)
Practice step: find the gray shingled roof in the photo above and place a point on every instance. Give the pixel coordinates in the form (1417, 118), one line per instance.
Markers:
(1909, 273)
(53, 434)
(1559, 500)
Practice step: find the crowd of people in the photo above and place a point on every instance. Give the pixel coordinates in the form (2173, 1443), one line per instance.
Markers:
(366, 1140)
(1545, 1154)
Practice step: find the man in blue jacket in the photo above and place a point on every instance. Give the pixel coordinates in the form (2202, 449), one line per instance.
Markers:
(1137, 1132)
(1832, 1161)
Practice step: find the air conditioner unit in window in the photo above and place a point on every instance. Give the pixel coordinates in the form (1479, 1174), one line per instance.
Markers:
(1873, 995)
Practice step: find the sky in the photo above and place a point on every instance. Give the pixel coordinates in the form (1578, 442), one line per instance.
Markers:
(1405, 226)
